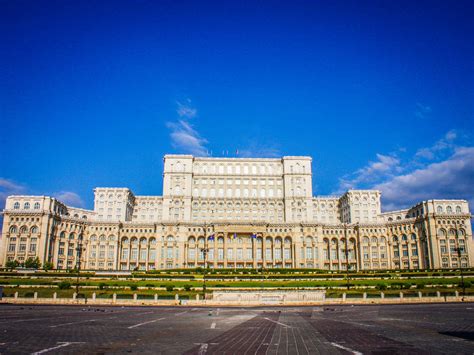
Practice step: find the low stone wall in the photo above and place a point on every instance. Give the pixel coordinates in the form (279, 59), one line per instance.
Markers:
(259, 298)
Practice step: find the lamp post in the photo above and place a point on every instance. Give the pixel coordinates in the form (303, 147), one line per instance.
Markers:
(78, 259)
(346, 250)
(204, 250)
(459, 251)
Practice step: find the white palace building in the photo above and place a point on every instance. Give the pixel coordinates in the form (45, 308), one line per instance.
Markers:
(237, 213)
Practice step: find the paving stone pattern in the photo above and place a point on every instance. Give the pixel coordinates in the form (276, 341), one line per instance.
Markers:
(361, 329)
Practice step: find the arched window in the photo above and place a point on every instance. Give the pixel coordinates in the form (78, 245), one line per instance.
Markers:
(24, 229)
(373, 240)
(458, 209)
(16, 205)
(37, 206)
(34, 229)
(441, 232)
(365, 240)
(71, 236)
(449, 209)
(413, 236)
(395, 239)
(102, 238)
(62, 235)
(404, 237)
(26, 206)
(439, 209)
(13, 229)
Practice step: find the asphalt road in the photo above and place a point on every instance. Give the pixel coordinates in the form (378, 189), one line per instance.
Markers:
(403, 329)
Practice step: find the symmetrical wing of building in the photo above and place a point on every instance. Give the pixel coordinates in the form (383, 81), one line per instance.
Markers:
(237, 213)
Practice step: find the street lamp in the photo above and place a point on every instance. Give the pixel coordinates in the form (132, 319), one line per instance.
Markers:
(78, 258)
(204, 251)
(346, 250)
(460, 251)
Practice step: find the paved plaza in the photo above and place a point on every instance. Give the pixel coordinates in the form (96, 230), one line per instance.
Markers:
(415, 329)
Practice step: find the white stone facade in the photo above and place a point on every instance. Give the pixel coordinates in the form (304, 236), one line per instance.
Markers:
(260, 212)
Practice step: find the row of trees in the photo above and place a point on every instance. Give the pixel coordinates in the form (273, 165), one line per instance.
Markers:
(30, 263)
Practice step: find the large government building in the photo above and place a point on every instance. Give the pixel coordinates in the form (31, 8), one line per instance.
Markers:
(237, 213)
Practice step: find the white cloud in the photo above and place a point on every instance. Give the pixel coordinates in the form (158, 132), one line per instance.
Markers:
(9, 187)
(451, 178)
(183, 135)
(444, 144)
(422, 111)
(186, 139)
(385, 165)
(444, 170)
(69, 198)
(257, 151)
(185, 109)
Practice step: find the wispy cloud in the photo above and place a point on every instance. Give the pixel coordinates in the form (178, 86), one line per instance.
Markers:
(256, 150)
(384, 166)
(9, 187)
(451, 178)
(422, 111)
(442, 145)
(184, 137)
(443, 170)
(69, 198)
(185, 109)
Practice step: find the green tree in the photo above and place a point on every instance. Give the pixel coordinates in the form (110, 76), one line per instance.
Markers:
(32, 263)
(48, 265)
(12, 264)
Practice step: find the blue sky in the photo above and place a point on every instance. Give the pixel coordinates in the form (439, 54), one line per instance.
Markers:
(379, 93)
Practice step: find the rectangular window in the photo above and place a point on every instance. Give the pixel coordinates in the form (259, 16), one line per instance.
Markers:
(22, 247)
(191, 253)
(259, 254)
(220, 254)
(287, 253)
(309, 253)
(152, 255)
(405, 250)
(134, 255)
(124, 254)
(239, 254)
(249, 254)
(278, 254)
(230, 253)
(169, 253)
(111, 252)
(210, 254)
(143, 254)
(268, 254)
(11, 247)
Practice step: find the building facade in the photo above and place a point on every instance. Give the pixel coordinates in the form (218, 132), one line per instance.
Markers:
(237, 213)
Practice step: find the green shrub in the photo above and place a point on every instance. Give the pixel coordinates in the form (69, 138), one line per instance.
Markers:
(467, 284)
(187, 287)
(133, 287)
(102, 285)
(64, 285)
(381, 286)
(420, 285)
(169, 288)
(47, 266)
